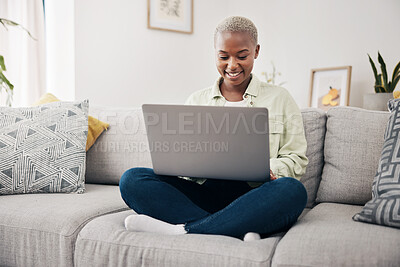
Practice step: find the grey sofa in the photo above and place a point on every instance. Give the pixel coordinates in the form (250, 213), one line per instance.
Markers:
(87, 229)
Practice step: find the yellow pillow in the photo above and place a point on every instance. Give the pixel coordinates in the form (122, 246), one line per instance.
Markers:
(95, 128)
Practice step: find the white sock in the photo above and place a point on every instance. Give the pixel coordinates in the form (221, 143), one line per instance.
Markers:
(144, 223)
(250, 236)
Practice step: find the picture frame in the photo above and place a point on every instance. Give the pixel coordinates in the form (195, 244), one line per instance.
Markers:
(330, 87)
(170, 15)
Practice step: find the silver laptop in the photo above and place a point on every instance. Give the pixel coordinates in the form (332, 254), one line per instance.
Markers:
(230, 143)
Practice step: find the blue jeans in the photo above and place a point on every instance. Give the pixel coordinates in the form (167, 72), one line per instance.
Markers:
(221, 207)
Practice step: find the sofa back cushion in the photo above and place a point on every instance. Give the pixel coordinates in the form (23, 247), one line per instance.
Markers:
(314, 121)
(123, 146)
(353, 144)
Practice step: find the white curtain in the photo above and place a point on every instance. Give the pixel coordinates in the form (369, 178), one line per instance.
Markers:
(24, 57)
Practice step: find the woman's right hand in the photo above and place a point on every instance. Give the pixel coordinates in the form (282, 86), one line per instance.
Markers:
(272, 175)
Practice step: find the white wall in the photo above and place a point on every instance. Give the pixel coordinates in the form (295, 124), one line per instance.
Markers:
(60, 48)
(120, 62)
(301, 35)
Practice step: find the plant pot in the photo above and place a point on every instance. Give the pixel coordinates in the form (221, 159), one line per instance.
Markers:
(377, 101)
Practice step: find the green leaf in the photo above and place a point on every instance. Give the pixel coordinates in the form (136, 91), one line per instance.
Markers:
(2, 65)
(396, 71)
(7, 82)
(28, 33)
(1, 21)
(395, 81)
(9, 22)
(378, 85)
(379, 88)
(373, 68)
(12, 23)
(384, 72)
(379, 80)
(390, 87)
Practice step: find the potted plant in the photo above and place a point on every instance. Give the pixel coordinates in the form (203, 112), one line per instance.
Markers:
(271, 77)
(5, 84)
(384, 87)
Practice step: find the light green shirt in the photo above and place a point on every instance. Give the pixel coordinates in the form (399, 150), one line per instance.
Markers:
(287, 141)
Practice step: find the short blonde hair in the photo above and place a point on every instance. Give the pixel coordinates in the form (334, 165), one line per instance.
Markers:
(237, 24)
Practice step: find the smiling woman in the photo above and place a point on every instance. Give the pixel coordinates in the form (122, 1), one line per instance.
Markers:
(227, 207)
(236, 46)
(236, 52)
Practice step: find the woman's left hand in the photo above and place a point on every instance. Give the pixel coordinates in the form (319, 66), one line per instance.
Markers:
(272, 175)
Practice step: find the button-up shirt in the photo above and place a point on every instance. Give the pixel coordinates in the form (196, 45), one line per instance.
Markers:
(287, 140)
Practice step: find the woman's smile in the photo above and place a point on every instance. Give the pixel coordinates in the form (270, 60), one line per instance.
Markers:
(233, 75)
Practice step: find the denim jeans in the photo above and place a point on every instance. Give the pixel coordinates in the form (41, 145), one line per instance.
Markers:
(221, 207)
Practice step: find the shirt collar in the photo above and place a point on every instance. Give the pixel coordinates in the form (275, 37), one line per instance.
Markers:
(252, 88)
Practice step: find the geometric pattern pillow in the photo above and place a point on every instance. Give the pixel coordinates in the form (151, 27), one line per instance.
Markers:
(384, 208)
(96, 127)
(42, 149)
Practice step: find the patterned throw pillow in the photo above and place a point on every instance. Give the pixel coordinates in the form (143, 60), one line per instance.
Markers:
(384, 208)
(42, 149)
(96, 127)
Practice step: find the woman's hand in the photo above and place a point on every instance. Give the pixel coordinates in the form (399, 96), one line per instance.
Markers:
(272, 175)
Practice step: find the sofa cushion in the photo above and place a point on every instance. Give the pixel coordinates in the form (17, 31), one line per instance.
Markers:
(327, 236)
(353, 143)
(42, 149)
(122, 147)
(105, 242)
(314, 121)
(41, 229)
(384, 208)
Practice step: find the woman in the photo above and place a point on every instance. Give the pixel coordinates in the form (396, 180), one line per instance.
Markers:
(172, 205)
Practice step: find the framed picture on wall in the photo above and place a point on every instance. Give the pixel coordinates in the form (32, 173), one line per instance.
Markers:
(330, 87)
(170, 15)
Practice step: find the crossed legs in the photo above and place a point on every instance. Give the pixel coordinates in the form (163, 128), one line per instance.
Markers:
(220, 207)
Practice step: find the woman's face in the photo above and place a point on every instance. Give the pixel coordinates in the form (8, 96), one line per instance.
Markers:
(235, 55)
